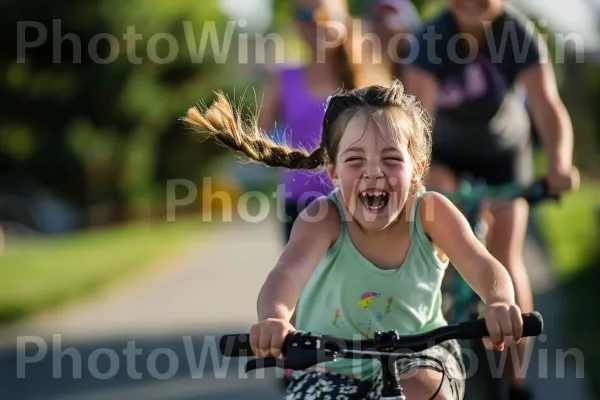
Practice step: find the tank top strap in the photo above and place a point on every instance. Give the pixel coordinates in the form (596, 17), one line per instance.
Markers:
(418, 236)
(417, 230)
(343, 236)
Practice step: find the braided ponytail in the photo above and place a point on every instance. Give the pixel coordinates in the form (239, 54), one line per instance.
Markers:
(224, 124)
(409, 122)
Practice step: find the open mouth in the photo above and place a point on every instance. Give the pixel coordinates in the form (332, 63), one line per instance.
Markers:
(374, 200)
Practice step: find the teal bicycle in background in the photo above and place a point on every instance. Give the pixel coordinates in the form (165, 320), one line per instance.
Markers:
(460, 302)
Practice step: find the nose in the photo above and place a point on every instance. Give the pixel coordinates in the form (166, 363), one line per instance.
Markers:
(373, 169)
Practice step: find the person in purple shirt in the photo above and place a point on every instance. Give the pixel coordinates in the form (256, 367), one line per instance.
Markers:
(295, 99)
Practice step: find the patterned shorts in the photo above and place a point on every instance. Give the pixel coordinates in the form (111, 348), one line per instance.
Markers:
(445, 358)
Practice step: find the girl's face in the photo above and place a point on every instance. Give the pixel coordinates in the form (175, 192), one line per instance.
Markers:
(373, 171)
(472, 13)
(319, 20)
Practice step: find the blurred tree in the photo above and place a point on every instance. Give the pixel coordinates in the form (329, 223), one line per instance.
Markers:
(98, 86)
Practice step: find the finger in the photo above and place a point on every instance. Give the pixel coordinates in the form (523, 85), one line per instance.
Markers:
(254, 339)
(277, 342)
(494, 330)
(575, 179)
(487, 343)
(265, 340)
(517, 323)
(505, 325)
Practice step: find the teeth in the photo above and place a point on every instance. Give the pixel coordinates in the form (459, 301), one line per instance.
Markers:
(373, 194)
(372, 197)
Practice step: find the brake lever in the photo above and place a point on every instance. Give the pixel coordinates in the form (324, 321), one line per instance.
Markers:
(266, 362)
(305, 362)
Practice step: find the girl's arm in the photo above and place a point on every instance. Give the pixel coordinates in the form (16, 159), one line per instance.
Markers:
(449, 229)
(314, 231)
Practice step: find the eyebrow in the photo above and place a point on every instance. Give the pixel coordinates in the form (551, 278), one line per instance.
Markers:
(360, 150)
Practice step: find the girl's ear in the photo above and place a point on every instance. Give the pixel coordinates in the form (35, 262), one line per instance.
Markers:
(332, 174)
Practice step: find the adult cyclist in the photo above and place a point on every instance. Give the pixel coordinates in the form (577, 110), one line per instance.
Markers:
(471, 88)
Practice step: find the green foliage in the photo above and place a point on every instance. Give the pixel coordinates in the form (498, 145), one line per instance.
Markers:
(571, 228)
(99, 131)
(50, 271)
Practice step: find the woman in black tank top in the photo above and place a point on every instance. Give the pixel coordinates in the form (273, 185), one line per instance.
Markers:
(474, 88)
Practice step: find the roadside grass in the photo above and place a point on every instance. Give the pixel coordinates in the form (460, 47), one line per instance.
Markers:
(47, 271)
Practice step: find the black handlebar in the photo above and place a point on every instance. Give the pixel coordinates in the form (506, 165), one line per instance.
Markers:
(534, 193)
(538, 192)
(303, 349)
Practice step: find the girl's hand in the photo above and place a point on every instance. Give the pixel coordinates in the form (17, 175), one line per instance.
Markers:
(267, 336)
(504, 323)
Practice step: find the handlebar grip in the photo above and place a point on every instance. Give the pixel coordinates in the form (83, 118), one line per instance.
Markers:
(235, 345)
(533, 325)
(539, 192)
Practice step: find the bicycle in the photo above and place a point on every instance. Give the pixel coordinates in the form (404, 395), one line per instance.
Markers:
(460, 302)
(303, 350)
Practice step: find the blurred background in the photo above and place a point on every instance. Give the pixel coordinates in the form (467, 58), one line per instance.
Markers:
(110, 228)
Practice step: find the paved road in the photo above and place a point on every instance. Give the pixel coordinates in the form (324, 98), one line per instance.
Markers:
(157, 339)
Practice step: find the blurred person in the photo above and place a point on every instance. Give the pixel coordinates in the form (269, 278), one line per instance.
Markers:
(392, 21)
(295, 96)
(482, 127)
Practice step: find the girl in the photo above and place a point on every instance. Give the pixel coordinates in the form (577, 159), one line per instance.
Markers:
(371, 254)
(482, 126)
(295, 95)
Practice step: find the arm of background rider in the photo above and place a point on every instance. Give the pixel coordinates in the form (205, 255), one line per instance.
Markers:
(549, 113)
(423, 60)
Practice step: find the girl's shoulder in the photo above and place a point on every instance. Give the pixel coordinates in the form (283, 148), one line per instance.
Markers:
(424, 221)
(438, 212)
(323, 216)
(428, 202)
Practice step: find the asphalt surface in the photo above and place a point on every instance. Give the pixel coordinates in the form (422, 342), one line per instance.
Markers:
(156, 337)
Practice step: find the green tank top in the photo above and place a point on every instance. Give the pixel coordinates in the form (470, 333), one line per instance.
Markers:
(349, 297)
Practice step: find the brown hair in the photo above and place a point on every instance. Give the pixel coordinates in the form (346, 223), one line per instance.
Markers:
(406, 117)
